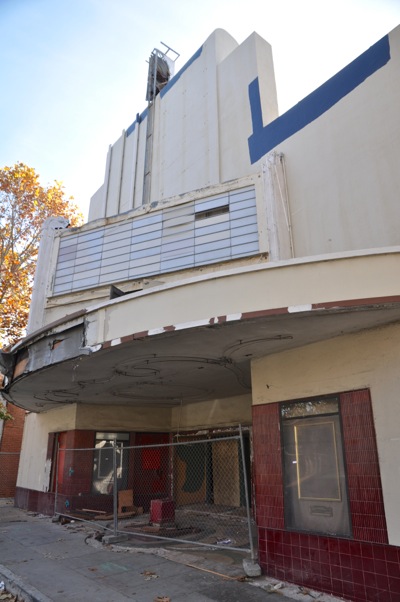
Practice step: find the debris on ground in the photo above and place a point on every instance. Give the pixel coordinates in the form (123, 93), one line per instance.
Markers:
(149, 575)
(5, 595)
(295, 592)
(227, 577)
(162, 599)
(98, 535)
(307, 592)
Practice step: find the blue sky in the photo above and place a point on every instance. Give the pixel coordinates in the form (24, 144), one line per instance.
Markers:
(73, 72)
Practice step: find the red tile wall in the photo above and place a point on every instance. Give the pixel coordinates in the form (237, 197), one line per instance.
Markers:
(34, 501)
(364, 480)
(356, 571)
(363, 569)
(268, 466)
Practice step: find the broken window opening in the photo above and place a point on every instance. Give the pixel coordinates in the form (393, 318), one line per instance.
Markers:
(212, 212)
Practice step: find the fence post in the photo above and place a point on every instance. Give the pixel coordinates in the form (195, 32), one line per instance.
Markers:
(115, 488)
(246, 493)
(56, 476)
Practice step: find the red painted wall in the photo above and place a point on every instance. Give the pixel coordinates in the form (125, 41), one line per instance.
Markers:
(75, 467)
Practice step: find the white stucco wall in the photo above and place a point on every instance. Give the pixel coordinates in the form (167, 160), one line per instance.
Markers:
(123, 418)
(34, 470)
(253, 58)
(366, 360)
(201, 126)
(208, 414)
(342, 169)
(115, 176)
(216, 413)
(298, 284)
(185, 139)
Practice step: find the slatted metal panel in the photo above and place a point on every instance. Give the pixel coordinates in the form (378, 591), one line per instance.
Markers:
(178, 238)
(196, 233)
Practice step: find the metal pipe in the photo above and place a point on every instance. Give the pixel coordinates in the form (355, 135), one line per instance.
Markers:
(56, 473)
(246, 493)
(115, 488)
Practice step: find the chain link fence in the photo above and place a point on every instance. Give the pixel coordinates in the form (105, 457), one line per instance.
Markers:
(196, 490)
(9, 462)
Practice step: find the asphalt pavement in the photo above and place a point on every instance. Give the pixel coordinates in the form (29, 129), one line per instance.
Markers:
(43, 561)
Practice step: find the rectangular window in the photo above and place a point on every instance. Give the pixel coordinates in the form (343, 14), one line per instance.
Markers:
(212, 212)
(103, 462)
(315, 488)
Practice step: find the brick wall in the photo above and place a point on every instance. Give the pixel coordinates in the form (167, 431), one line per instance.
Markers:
(10, 447)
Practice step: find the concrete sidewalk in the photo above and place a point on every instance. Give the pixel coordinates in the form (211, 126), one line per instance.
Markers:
(45, 561)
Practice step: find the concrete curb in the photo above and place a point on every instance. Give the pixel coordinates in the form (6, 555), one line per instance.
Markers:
(17, 587)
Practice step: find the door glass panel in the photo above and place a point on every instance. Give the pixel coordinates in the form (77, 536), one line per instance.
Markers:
(317, 461)
(103, 462)
(314, 476)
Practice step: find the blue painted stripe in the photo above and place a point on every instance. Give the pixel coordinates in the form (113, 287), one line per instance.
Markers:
(265, 138)
(176, 77)
(171, 83)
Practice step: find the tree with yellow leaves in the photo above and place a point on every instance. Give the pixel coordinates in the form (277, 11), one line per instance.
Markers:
(24, 206)
(4, 415)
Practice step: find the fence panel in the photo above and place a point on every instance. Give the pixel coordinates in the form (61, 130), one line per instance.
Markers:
(194, 491)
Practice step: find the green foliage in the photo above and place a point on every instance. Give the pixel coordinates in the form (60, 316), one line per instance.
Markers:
(4, 415)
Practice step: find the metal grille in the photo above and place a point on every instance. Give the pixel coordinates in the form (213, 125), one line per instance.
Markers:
(164, 241)
(196, 490)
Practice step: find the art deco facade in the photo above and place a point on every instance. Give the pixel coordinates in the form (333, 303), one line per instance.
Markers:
(240, 267)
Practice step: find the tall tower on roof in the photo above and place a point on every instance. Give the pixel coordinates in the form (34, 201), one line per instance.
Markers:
(161, 69)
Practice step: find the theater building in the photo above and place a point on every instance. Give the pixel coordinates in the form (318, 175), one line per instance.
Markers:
(240, 268)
